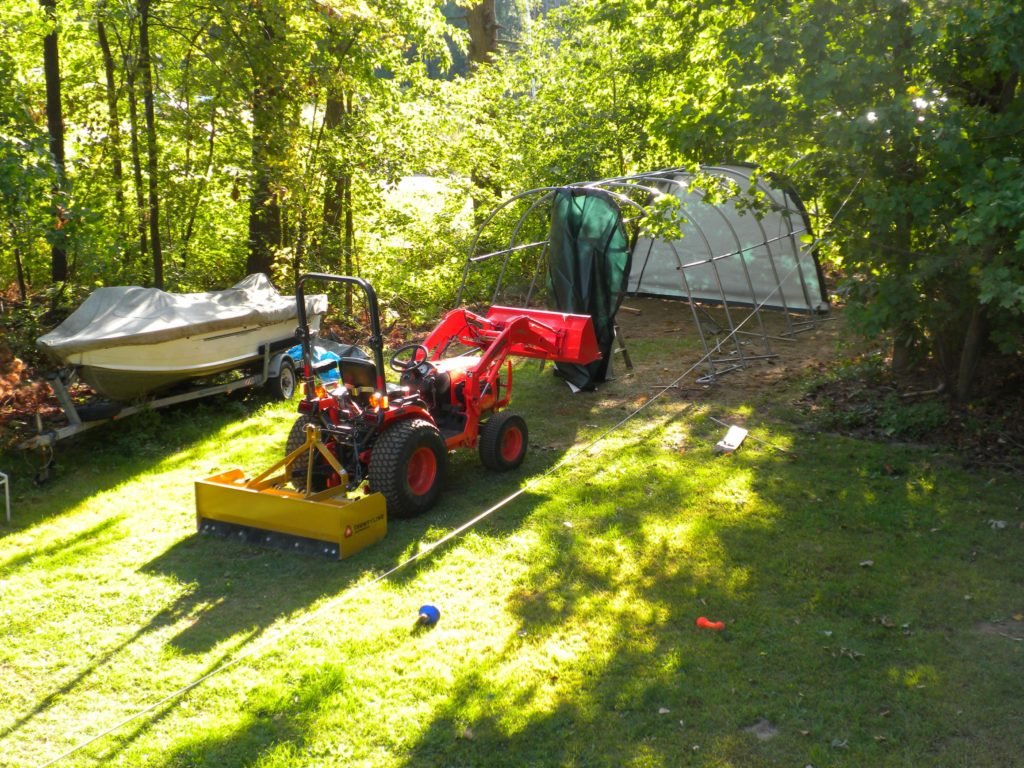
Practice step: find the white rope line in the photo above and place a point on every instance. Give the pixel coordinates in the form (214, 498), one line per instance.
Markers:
(270, 637)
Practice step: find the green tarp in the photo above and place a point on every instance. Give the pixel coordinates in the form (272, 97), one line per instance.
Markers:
(588, 267)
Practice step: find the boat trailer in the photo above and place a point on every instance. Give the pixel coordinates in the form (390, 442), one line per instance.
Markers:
(276, 371)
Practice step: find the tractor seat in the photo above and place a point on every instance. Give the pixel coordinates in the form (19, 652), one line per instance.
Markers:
(360, 376)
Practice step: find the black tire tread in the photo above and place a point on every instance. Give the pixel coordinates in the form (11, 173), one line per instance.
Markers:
(296, 437)
(277, 388)
(387, 472)
(489, 444)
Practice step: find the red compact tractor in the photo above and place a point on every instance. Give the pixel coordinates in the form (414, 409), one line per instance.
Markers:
(390, 441)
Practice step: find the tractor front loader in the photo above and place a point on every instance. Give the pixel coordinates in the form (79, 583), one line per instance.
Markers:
(362, 445)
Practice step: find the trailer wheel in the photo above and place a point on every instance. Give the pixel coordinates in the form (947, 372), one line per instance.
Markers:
(99, 411)
(282, 386)
(504, 440)
(407, 466)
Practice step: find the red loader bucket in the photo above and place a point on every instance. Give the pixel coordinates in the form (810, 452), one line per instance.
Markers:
(548, 335)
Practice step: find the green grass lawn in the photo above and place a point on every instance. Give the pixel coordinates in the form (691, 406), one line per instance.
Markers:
(872, 596)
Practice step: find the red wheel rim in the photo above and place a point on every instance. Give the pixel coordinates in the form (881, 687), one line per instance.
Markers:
(422, 471)
(511, 444)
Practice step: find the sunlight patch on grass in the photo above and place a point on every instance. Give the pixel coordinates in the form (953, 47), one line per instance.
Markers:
(567, 632)
(917, 676)
(734, 491)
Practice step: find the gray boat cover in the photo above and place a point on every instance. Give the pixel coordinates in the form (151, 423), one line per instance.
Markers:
(131, 315)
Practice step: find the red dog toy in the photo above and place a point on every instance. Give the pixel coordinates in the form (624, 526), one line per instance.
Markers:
(717, 626)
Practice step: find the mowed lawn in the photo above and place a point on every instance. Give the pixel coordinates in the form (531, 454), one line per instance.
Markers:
(872, 596)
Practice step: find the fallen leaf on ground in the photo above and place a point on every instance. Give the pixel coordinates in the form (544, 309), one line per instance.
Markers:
(763, 730)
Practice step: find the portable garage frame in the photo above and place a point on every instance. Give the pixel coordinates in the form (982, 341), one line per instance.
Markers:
(726, 255)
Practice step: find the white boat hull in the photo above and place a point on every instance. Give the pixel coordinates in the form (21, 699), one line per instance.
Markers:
(131, 371)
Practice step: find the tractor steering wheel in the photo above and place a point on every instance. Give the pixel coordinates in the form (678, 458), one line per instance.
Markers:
(418, 355)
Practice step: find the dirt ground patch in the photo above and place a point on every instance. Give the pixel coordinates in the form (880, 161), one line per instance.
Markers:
(816, 371)
(771, 353)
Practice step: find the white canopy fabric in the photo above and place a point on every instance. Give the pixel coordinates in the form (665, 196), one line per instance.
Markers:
(730, 255)
(132, 315)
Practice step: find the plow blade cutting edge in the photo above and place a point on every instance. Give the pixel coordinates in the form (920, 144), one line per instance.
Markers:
(263, 504)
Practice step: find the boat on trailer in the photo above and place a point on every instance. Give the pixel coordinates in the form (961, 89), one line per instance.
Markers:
(129, 342)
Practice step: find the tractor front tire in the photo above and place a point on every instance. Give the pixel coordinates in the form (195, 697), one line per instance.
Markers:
(407, 466)
(504, 440)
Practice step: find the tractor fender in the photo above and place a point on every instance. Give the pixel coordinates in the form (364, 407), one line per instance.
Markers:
(392, 417)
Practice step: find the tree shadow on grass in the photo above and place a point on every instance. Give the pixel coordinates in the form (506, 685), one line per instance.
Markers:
(576, 582)
(110, 455)
(236, 590)
(241, 587)
(281, 731)
(277, 720)
(80, 544)
(785, 579)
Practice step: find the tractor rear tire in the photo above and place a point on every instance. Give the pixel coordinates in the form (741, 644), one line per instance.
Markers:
(296, 437)
(504, 440)
(408, 466)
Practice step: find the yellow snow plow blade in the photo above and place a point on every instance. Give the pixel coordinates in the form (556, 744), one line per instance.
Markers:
(263, 504)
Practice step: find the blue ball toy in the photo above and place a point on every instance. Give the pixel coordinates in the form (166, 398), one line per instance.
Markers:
(429, 615)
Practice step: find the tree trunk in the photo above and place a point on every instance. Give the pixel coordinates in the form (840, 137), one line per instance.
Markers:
(903, 351)
(339, 239)
(194, 209)
(140, 203)
(152, 164)
(971, 354)
(906, 173)
(19, 266)
(482, 24)
(113, 126)
(264, 205)
(350, 231)
(55, 126)
(265, 223)
(482, 21)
